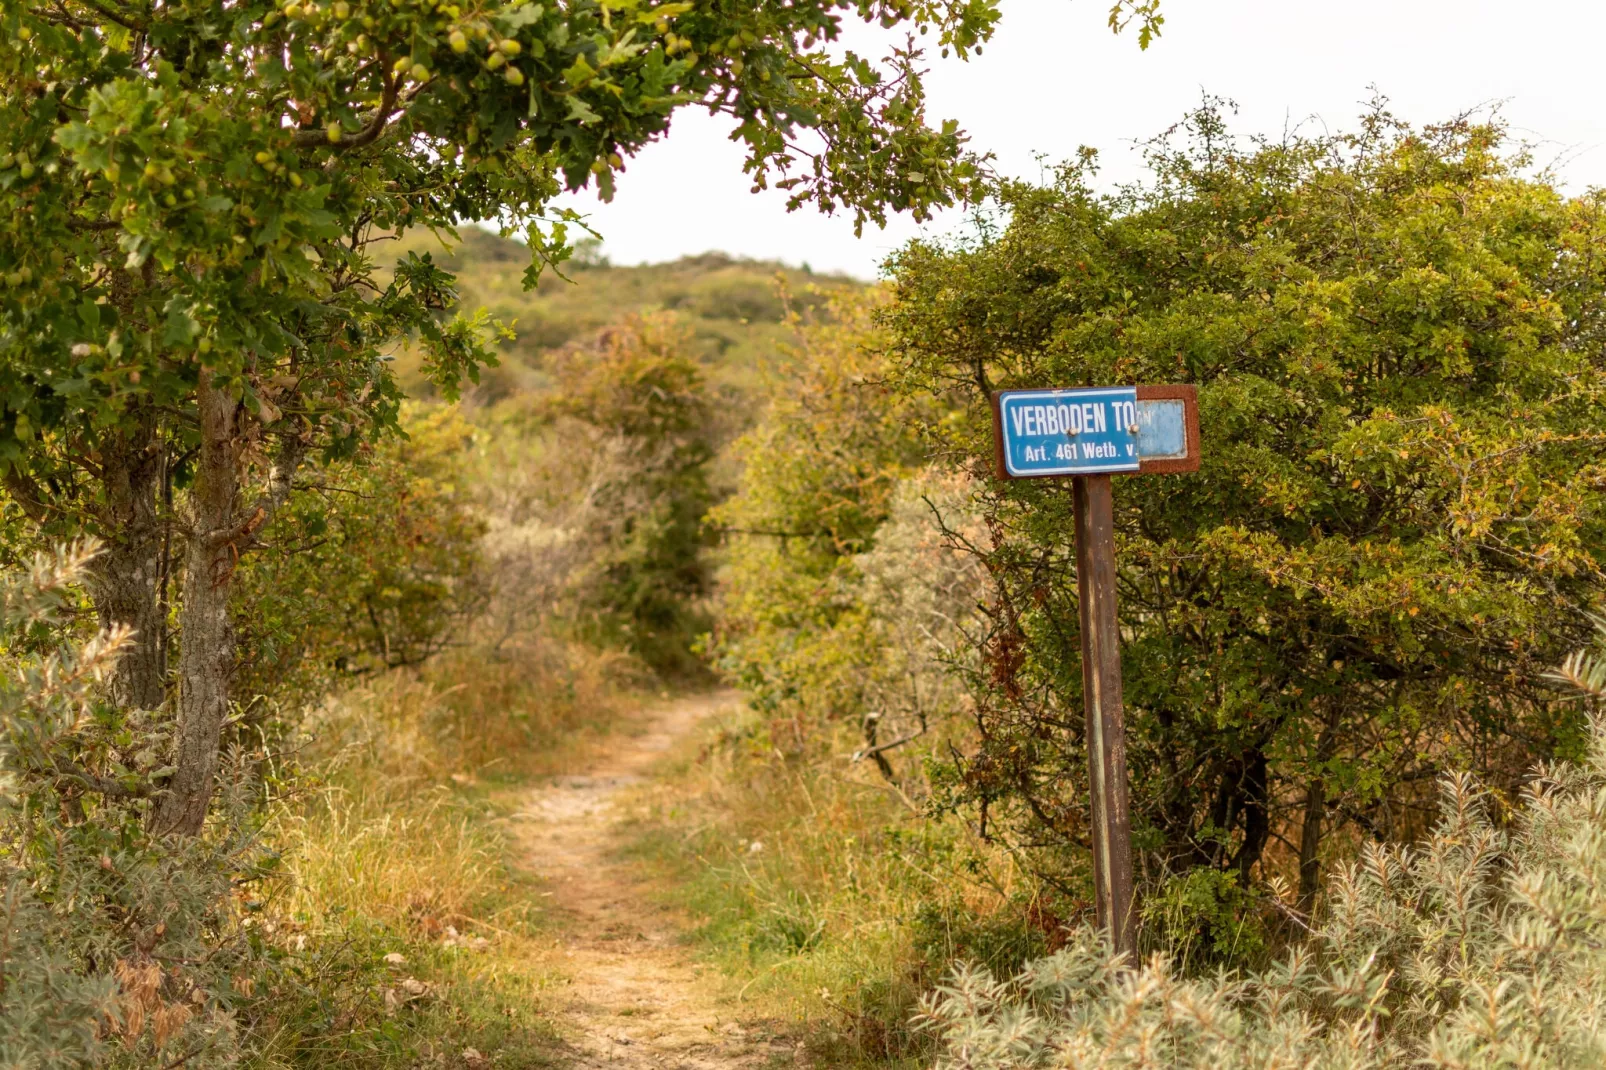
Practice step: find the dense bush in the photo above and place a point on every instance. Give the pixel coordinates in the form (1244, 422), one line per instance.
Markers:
(369, 565)
(119, 947)
(1482, 946)
(1398, 522)
(638, 402)
(820, 616)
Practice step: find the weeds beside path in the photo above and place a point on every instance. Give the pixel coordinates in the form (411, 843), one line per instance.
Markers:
(635, 998)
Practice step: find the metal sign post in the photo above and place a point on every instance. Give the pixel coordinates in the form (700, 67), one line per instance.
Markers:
(1088, 435)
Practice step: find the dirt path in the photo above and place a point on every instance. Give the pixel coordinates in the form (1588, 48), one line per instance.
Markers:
(636, 998)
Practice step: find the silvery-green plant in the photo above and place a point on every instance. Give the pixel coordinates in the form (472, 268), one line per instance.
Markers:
(1483, 946)
(115, 946)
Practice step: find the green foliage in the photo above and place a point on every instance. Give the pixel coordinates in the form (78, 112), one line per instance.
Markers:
(120, 947)
(1480, 947)
(819, 472)
(373, 564)
(149, 180)
(193, 195)
(1398, 521)
(649, 415)
(1205, 917)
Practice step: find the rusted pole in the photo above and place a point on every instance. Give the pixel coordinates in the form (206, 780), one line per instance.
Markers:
(1101, 695)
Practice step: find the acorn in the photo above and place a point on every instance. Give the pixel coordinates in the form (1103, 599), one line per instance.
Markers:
(24, 33)
(510, 47)
(332, 132)
(264, 157)
(459, 41)
(495, 60)
(420, 73)
(342, 10)
(292, 11)
(514, 76)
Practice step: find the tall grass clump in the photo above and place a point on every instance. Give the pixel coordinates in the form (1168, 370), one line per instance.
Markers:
(405, 918)
(1484, 945)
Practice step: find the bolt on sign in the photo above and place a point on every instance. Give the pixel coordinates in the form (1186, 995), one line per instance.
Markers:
(1089, 435)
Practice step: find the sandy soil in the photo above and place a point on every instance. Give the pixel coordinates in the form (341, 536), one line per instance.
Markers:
(636, 998)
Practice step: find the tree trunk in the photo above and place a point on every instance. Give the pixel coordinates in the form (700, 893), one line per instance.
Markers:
(219, 532)
(1310, 839)
(1256, 817)
(1310, 835)
(206, 654)
(127, 577)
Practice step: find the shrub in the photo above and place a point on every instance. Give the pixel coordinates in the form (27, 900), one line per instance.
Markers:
(821, 614)
(641, 401)
(1398, 521)
(369, 565)
(1482, 946)
(119, 947)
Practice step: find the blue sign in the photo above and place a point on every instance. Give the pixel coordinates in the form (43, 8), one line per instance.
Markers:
(1070, 432)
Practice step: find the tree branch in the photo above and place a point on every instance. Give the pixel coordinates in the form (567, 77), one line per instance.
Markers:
(126, 21)
(77, 774)
(365, 136)
(27, 494)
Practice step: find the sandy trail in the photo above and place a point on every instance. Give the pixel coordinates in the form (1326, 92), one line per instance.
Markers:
(636, 998)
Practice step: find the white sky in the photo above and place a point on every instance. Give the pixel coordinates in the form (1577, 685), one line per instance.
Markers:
(1056, 78)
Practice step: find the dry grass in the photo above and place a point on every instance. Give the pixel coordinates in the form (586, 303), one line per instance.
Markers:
(398, 848)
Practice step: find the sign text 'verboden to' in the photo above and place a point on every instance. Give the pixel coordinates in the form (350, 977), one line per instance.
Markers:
(1070, 432)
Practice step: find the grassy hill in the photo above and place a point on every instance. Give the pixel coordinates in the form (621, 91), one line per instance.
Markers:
(733, 308)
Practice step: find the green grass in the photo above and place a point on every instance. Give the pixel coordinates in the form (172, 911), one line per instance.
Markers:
(852, 906)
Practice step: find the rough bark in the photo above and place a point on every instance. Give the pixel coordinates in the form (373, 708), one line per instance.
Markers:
(218, 532)
(206, 653)
(127, 576)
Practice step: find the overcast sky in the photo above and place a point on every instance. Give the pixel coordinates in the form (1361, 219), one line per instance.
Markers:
(1056, 78)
